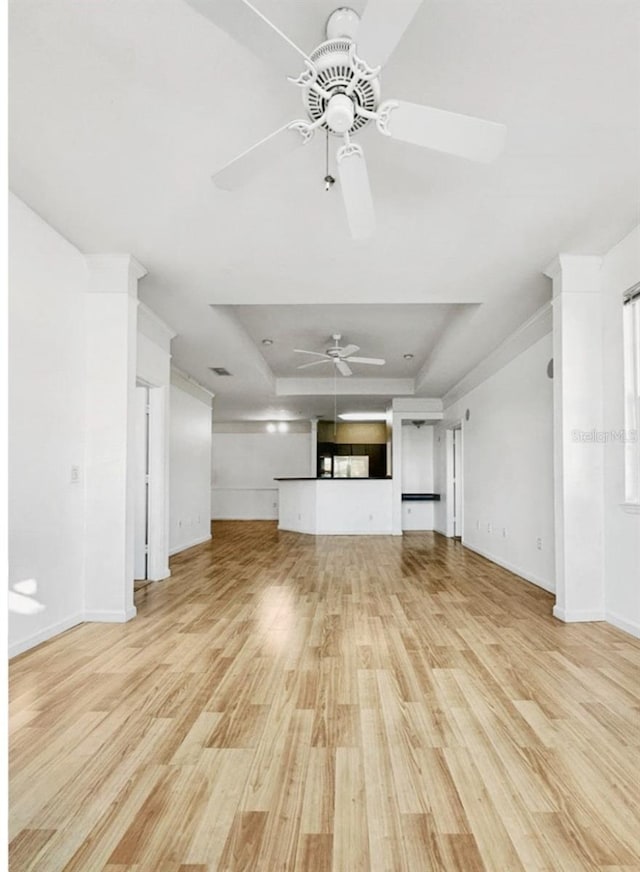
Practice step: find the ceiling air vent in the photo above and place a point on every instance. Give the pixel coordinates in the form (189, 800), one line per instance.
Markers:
(219, 370)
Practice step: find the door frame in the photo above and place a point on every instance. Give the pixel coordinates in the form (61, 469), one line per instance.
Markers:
(454, 514)
(158, 486)
(141, 464)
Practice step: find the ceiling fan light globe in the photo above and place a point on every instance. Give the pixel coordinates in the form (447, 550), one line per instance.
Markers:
(340, 113)
(343, 22)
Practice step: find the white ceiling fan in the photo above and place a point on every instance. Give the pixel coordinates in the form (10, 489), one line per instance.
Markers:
(340, 87)
(340, 356)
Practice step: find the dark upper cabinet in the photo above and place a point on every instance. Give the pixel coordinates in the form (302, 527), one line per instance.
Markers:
(377, 455)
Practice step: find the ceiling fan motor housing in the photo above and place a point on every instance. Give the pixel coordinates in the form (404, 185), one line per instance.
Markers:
(335, 72)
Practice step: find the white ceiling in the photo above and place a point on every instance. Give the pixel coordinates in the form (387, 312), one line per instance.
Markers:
(120, 110)
(381, 330)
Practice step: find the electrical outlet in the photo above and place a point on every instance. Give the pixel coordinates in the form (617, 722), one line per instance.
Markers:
(75, 474)
(371, 517)
(477, 525)
(489, 527)
(539, 544)
(275, 505)
(299, 516)
(408, 511)
(504, 532)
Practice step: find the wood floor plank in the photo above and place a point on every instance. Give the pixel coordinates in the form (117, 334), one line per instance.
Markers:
(315, 853)
(287, 702)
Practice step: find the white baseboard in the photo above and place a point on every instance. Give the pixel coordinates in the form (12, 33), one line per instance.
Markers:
(299, 530)
(163, 575)
(630, 627)
(101, 616)
(517, 570)
(442, 532)
(338, 532)
(46, 634)
(574, 616)
(354, 533)
(200, 541)
(417, 530)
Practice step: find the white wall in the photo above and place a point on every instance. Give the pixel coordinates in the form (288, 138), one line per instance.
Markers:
(507, 466)
(620, 271)
(245, 461)
(190, 464)
(417, 475)
(46, 424)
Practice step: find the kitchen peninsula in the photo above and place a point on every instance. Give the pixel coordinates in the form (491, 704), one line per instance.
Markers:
(336, 506)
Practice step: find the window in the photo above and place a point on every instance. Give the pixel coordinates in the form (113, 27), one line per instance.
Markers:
(632, 395)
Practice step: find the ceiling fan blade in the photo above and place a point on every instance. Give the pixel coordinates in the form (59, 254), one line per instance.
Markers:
(342, 367)
(381, 28)
(313, 363)
(317, 353)
(256, 159)
(356, 191)
(462, 135)
(248, 26)
(375, 361)
(349, 350)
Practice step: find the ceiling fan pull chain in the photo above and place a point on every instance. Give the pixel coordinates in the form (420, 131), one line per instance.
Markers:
(329, 180)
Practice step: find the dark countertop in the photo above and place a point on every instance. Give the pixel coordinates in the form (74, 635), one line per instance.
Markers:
(420, 497)
(352, 478)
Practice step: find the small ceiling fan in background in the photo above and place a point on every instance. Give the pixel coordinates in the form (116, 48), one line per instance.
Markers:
(340, 356)
(340, 86)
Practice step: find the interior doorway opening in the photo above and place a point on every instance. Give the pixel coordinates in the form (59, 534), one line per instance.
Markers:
(454, 490)
(457, 483)
(141, 515)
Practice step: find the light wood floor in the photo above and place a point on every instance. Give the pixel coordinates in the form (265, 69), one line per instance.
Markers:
(287, 702)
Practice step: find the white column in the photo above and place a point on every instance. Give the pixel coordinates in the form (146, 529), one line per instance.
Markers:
(578, 458)
(313, 456)
(111, 316)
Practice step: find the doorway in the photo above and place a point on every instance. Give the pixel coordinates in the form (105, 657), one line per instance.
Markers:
(141, 515)
(457, 482)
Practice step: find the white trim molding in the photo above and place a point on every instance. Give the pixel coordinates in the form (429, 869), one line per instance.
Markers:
(574, 616)
(516, 570)
(107, 617)
(189, 385)
(114, 274)
(630, 627)
(154, 328)
(537, 326)
(46, 634)
(303, 387)
(179, 548)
